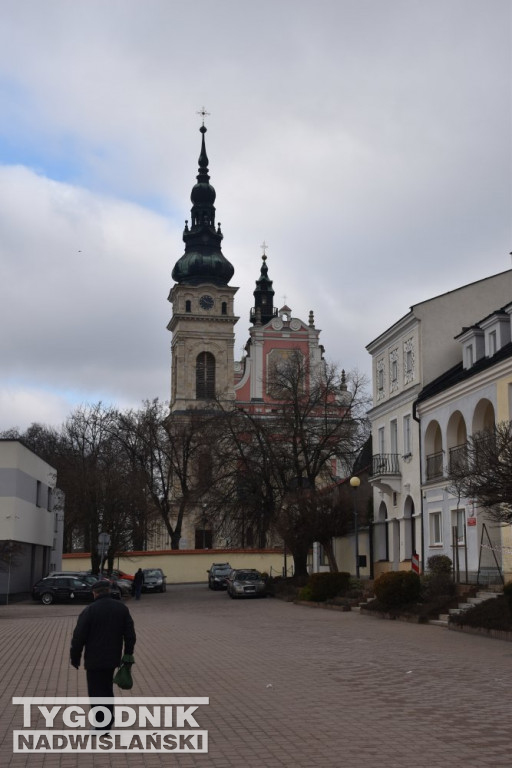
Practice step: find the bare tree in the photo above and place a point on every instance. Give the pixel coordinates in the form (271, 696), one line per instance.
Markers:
(484, 471)
(174, 455)
(286, 458)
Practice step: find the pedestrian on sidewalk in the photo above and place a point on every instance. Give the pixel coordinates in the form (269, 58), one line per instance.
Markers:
(138, 582)
(102, 629)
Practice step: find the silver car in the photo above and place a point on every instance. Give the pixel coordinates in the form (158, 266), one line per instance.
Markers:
(246, 582)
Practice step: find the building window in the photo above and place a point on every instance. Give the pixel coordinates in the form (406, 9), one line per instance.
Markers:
(407, 435)
(39, 494)
(492, 343)
(435, 529)
(469, 356)
(381, 440)
(408, 361)
(393, 434)
(205, 376)
(459, 526)
(188, 306)
(224, 308)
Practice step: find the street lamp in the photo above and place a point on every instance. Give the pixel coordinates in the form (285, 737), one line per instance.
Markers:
(204, 526)
(355, 483)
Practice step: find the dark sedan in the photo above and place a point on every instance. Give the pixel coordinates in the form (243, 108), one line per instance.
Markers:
(71, 588)
(218, 574)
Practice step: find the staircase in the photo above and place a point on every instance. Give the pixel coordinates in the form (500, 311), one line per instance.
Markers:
(464, 605)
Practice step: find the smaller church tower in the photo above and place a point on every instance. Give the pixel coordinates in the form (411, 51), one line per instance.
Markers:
(274, 335)
(203, 319)
(263, 310)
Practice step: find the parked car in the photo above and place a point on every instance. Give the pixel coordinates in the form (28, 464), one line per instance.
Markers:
(121, 575)
(154, 580)
(217, 574)
(246, 582)
(69, 586)
(62, 589)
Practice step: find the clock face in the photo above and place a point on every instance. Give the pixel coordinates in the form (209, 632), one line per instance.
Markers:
(206, 302)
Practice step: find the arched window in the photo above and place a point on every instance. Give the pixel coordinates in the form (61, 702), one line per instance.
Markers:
(188, 306)
(205, 376)
(224, 309)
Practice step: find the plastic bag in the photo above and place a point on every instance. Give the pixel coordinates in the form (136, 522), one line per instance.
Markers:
(123, 677)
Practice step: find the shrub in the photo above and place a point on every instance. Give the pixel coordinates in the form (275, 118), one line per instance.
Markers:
(437, 585)
(323, 586)
(397, 588)
(306, 594)
(439, 564)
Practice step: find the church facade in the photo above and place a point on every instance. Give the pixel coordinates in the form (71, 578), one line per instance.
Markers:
(203, 369)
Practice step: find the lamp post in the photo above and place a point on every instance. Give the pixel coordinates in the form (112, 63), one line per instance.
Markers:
(355, 483)
(204, 526)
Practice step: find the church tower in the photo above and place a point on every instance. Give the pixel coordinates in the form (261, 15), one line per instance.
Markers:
(203, 319)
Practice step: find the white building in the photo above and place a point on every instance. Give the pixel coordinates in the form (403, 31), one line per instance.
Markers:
(31, 519)
(467, 400)
(406, 357)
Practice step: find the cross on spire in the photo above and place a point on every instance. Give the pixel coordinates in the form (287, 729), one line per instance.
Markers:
(203, 113)
(264, 246)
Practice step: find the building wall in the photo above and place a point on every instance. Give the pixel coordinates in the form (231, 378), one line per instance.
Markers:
(183, 567)
(30, 518)
(427, 332)
(452, 414)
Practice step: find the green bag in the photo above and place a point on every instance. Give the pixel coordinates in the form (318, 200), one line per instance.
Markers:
(123, 677)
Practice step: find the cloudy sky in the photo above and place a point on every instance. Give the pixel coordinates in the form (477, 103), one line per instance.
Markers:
(368, 142)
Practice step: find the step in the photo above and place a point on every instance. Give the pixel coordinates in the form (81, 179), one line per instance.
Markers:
(440, 622)
(460, 608)
(488, 595)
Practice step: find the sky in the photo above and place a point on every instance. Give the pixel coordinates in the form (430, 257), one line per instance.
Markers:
(367, 142)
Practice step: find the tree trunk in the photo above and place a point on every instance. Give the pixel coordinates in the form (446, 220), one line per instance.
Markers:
(300, 564)
(331, 557)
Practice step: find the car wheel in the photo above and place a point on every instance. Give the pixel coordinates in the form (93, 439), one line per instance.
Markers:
(47, 598)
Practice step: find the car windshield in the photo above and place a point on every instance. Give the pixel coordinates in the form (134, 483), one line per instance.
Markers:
(152, 572)
(221, 568)
(247, 576)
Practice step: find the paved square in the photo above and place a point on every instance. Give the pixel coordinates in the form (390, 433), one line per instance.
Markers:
(288, 685)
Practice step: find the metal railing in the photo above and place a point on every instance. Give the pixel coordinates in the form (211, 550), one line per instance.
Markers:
(386, 464)
(458, 457)
(435, 465)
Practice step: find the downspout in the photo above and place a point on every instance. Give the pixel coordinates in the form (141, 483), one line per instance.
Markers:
(415, 417)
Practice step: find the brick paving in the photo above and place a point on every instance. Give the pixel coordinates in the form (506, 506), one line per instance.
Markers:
(288, 685)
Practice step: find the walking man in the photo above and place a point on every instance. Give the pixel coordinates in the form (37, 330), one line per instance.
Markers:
(138, 581)
(102, 629)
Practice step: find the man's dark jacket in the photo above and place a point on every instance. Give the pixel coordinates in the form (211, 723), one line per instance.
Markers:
(102, 628)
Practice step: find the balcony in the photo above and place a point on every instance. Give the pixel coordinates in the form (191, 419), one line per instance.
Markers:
(458, 457)
(435, 465)
(385, 472)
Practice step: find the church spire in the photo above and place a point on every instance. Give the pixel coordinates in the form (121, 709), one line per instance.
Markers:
(263, 310)
(203, 260)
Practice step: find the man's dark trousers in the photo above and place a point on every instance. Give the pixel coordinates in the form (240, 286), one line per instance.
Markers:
(100, 685)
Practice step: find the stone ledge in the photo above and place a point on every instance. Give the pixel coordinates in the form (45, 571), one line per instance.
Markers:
(329, 606)
(410, 618)
(496, 634)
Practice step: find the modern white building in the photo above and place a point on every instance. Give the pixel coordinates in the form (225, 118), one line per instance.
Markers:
(467, 400)
(31, 519)
(406, 357)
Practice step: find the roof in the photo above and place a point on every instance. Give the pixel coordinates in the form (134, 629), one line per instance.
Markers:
(458, 373)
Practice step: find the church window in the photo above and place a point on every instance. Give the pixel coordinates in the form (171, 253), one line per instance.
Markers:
(205, 376)
(224, 308)
(188, 306)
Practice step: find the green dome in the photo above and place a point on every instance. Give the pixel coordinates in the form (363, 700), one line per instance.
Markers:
(203, 260)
